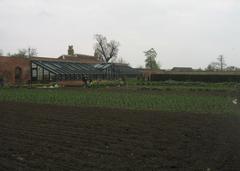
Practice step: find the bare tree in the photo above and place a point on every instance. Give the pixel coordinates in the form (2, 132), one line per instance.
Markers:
(120, 60)
(32, 52)
(1, 52)
(25, 53)
(22, 53)
(232, 68)
(105, 50)
(214, 66)
(98, 55)
(217, 66)
(221, 61)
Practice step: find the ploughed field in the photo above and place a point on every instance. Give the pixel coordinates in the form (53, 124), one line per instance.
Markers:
(55, 137)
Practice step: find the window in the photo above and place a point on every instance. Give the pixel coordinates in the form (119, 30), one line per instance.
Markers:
(34, 65)
(34, 73)
(40, 73)
(52, 77)
(46, 74)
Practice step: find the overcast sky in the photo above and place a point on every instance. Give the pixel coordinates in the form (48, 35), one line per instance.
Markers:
(183, 32)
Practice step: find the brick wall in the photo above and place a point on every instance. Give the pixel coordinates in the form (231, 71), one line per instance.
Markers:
(8, 66)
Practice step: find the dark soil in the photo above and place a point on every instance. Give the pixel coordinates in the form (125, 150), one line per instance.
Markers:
(43, 137)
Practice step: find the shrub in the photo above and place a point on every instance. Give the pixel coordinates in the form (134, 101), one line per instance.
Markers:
(196, 77)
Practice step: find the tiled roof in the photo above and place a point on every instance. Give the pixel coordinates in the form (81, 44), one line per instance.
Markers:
(81, 58)
(182, 69)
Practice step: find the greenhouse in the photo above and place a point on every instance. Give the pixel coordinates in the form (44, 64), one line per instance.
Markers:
(61, 70)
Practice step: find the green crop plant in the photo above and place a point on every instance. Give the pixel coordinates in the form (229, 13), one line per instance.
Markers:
(167, 101)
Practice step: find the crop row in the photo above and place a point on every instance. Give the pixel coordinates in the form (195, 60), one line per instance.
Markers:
(128, 100)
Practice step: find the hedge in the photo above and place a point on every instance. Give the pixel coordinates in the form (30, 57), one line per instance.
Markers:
(196, 77)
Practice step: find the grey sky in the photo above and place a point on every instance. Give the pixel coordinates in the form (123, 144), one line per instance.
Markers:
(184, 33)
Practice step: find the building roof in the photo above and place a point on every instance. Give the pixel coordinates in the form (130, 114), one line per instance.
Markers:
(66, 67)
(182, 69)
(122, 69)
(44, 59)
(81, 58)
(82, 64)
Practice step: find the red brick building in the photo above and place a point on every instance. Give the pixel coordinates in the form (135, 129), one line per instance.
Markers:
(19, 70)
(14, 70)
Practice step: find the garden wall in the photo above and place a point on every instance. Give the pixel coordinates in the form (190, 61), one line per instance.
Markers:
(8, 66)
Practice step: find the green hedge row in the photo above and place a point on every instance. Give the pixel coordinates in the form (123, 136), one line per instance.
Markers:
(216, 78)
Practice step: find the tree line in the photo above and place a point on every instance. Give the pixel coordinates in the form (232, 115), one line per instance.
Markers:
(23, 53)
(107, 51)
(220, 65)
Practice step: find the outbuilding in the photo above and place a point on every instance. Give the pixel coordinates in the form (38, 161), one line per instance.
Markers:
(17, 70)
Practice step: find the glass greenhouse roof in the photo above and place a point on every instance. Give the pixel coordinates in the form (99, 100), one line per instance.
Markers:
(59, 67)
